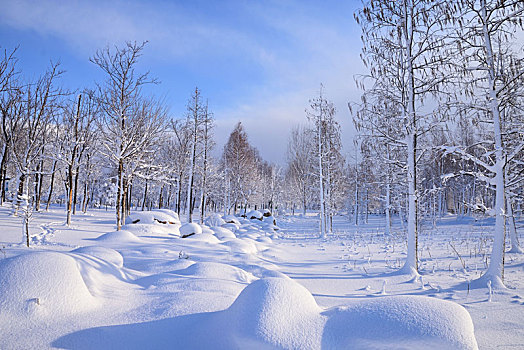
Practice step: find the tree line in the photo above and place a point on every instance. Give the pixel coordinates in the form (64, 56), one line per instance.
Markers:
(440, 130)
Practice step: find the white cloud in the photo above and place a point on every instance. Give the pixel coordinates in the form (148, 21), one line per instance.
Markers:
(290, 43)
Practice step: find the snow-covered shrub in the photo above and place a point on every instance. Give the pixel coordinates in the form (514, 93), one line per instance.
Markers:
(255, 214)
(159, 216)
(214, 220)
(270, 219)
(190, 229)
(231, 219)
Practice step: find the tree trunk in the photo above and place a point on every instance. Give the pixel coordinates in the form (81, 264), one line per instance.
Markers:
(388, 208)
(75, 192)
(515, 248)
(191, 180)
(51, 186)
(145, 197)
(321, 183)
(119, 195)
(495, 271)
(3, 165)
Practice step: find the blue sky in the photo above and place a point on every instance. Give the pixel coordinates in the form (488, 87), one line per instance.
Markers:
(258, 62)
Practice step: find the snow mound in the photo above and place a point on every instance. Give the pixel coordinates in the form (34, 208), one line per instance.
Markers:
(241, 246)
(214, 220)
(270, 219)
(231, 219)
(266, 212)
(410, 322)
(264, 239)
(150, 229)
(214, 270)
(223, 233)
(103, 253)
(122, 236)
(231, 226)
(254, 214)
(276, 312)
(158, 216)
(205, 237)
(190, 228)
(44, 284)
(280, 313)
(207, 229)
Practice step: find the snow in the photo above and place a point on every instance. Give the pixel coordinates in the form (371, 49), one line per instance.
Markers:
(231, 219)
(42, 285)
(157, 216)
(254, 214)
(118, 237)
(223, 233)
(190, 228)
(88, 287)
(410, 322)
(102, 253)
(214, 220)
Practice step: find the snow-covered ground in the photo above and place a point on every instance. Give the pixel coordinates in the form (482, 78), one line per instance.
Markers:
(250, 284)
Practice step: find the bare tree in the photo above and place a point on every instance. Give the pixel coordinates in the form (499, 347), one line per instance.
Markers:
(9, 87)
(33, 112)
(196, 116)
(127, 127)
(300, 166)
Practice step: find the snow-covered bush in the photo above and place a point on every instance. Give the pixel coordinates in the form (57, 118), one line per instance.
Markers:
(159, 216)
(190, 229)
(214, 220)
(254, 214)
(231, 219)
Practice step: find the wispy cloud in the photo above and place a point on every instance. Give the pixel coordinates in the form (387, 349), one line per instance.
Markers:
(269, 57)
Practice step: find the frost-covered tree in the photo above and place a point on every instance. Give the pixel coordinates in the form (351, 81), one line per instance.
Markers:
(9, 86)
(327, 150)
(34, 108)
(240, 163)
(207, 146)
(404, 49)
(196, 115)
(129, 123)
(300, 166)
(78, 134)
(493, 75)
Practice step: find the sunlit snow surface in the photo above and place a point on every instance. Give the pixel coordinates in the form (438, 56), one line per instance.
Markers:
(249, 285)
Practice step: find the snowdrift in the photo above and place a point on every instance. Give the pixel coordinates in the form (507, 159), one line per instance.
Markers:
(273, 313)
(42, 284)
(190, 228)
(400, 322)
(103, 253)
(278, 313)
(214, 220)
(216, 271)
(122, 236)
(157, 216)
